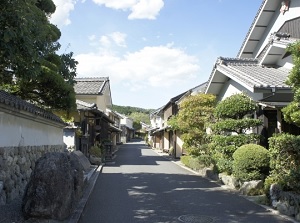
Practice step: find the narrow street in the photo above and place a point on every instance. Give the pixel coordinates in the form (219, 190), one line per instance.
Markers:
(141, 186)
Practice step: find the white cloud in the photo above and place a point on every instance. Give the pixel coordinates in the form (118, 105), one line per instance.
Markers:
(146, 9)
(159, 66)
(92, 37)
(62, 12)
(119, 38)
(140, 9)
(108, 41)
(105, 41)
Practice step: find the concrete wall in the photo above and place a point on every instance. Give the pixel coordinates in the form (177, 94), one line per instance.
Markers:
(28, 131)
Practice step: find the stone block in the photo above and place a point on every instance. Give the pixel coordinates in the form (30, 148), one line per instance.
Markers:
(229, 181)
(248, 186)
(82, 159)
(1, 186)
(55, 186)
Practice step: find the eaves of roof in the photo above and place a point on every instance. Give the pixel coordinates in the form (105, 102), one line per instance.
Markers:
(202, 88)
(173, 100)
(114, 128)
(161, 129)
(92, 107)
(16, 103)
(250, 74)
(82, 105)
(260, 22)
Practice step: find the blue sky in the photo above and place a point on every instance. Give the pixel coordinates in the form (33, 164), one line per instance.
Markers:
(151, 50)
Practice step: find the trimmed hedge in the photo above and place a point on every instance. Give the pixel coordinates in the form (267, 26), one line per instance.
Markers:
(223, 147)
(251, 162)
(284, 162)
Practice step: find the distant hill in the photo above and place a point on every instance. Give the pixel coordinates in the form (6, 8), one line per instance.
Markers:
(137, 114)
(128, 110)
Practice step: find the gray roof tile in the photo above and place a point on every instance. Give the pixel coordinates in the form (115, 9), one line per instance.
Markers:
(19, 104)
(251, 73)
(82, 105)
(94, 86)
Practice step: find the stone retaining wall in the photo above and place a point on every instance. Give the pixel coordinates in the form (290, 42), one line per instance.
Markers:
(16, 165)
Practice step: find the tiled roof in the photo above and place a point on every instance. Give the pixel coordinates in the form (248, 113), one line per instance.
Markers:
(90, 85)
(82, 105)
(252, 74)
(19, 104)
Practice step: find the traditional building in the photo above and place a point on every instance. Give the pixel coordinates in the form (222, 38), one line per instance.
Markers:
(262, 64)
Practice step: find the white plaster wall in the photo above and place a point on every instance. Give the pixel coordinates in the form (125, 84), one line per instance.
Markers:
(277, 22)
(156, 121)
(179, 145)
(231, 87)
(87, 98)
(19, 131)
(286, 63)
(166, 141)
(127, 121)
(69, 139)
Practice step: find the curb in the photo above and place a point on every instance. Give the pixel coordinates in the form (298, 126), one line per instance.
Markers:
(270, 209)
(86, 194)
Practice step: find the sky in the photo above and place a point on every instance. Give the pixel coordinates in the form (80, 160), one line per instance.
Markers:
(151, 50)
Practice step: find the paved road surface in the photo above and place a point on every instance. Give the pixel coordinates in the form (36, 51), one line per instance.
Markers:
(141, 186)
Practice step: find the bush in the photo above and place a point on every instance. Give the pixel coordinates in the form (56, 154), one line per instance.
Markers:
(223, 147)
(196, 163)
(235, 106)
(285, 161)
(95, 150)
(251, 162)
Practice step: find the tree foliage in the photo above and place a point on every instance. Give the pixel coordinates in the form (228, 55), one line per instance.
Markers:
(229, 130)
(235, 107)
(251, 162)
(29, 65)
(292, 112)
(285, 161)
(139, 117)
(194, 115)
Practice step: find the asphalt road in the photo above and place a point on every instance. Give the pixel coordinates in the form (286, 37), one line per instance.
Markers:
(141, 186)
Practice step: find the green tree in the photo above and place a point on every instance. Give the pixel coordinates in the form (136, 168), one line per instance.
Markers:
(139, 117)
(232, 121)
(192, 119)
(29, 65)
(292, 112)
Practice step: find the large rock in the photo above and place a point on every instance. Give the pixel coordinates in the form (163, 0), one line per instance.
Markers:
(82, 159)
(55, 186)
(229, 181)
(250, 185)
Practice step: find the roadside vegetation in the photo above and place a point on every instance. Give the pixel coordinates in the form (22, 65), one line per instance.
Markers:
(218, 136)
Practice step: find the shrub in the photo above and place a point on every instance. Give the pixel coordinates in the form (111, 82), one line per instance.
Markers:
(233, 119)
(223, 147)
(251, 162)
(235, 106)
(196, 163)
(95, 150)
(285, 161)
